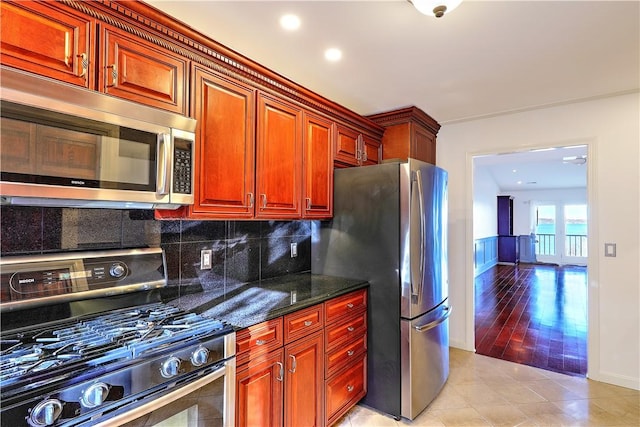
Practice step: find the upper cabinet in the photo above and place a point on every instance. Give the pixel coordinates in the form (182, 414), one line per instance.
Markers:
(278, 159)
(317, 187)
(409, 132)
(135, 69)
(266, 147)
(354, 148)
(48, 39)
(225, 147)
(257, 156)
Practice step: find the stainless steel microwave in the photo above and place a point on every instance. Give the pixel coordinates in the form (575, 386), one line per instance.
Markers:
(62, 145)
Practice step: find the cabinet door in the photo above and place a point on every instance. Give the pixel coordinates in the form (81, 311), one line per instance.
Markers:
(304, 382)
(278, 159)
(259, 391)
(347, 146)
(370, 151)
(423, 144)
(135, 69)
(225, 148)
(52, 41)
(318, 167)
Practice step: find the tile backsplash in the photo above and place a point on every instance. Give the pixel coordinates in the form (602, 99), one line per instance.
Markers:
(243, 251)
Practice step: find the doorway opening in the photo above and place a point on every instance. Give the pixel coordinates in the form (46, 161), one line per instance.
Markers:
(532, 309)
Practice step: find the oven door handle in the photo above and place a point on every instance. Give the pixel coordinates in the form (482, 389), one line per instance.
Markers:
(159, 402)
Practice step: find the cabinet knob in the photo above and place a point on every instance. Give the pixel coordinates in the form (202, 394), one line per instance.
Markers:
(308, 323)
(349, 388)
(351, 329)
(260, 342)
(350, 353)
(349, 305)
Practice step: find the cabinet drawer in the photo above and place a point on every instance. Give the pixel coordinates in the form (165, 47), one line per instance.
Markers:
(345, 331)
(303, 322)
(258, 339)
(345, 389)
(344, 305)
(341, 356)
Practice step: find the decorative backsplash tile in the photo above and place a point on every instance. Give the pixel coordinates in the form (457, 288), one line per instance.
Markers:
(242, 251)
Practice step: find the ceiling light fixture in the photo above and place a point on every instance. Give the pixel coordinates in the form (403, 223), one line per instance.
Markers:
(333, 54)
(437, 8)
(290, 22)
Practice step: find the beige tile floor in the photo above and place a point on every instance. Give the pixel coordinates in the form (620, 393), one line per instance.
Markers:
(482, 391)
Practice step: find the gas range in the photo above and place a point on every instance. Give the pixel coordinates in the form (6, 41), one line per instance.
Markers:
(113, 346)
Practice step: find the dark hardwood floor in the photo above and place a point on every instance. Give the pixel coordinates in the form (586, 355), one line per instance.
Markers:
(535, 315)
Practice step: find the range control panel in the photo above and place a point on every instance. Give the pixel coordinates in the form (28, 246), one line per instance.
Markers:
(29, 278)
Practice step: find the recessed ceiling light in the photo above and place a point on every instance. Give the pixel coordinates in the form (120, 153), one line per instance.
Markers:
(333, 54)
(514, 171)
(519, 182)
(290, 22)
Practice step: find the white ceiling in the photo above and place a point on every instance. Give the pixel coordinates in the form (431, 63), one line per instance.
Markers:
(485, 58)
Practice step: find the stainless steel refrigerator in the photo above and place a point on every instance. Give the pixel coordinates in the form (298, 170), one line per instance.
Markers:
(390, 228)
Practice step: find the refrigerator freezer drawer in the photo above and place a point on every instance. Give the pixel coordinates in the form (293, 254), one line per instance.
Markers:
(425, 359)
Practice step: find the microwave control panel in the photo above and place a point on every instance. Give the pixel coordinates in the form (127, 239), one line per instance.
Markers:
(182, 166)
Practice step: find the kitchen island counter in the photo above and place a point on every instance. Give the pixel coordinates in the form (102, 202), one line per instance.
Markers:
(247, 304)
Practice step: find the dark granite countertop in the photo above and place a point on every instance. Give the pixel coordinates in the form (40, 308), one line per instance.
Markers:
(251, 303)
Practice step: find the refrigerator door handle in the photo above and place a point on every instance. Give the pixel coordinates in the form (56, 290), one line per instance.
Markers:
(433, 324)
(416, 292)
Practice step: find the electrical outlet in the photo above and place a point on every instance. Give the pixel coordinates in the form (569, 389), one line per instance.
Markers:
(205, 259)
(294, 250)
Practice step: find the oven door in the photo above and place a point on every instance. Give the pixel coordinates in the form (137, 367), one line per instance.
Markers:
(206, 401)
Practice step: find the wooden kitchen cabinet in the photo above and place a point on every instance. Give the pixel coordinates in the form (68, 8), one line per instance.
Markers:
(353, 148)
(259, 391)
(409, 132)
(225, 147)
(48, 39)
(135, 69)
(278, 159)
(286, 385)
(345, 337)
(318, 167)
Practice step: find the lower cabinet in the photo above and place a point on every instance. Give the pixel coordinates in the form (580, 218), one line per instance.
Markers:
(294, 371)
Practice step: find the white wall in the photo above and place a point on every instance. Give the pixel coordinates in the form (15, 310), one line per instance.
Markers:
(610, 127)
(485, 204)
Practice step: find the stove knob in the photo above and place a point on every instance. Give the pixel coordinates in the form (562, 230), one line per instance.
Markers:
(94, 395)
(170, 367)
(45, 413)
(117, 270)
(200, 356)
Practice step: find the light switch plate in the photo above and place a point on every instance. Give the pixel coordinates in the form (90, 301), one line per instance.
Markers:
(205, 259)
(610, 249)
(294, 250)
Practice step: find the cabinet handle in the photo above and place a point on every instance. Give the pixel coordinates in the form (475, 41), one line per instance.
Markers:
(84, 64)
(308, 199)
(308, 323)
(357, 149)
(351, 329)
(349, 388)
(350, 353)
(349, 305)
(294, 364)
(364, 155)
(263, 197)
(260, 342)
(280, 376)
(114, 74)
(251, 199)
